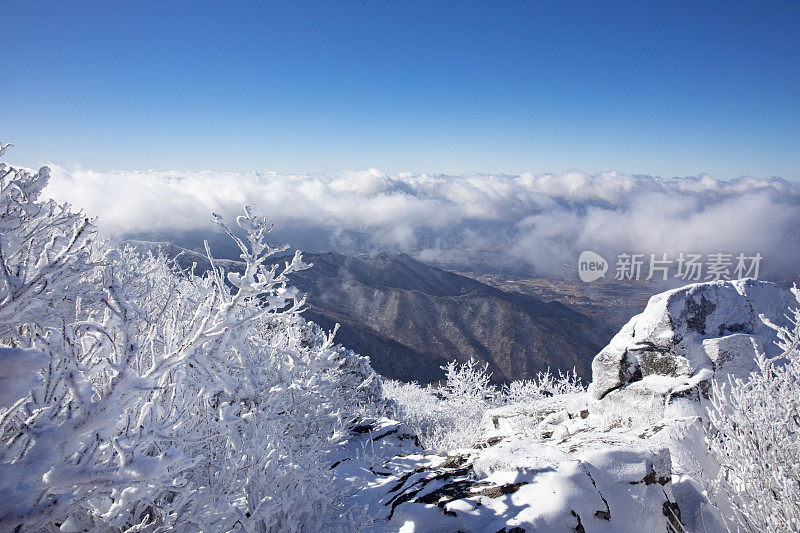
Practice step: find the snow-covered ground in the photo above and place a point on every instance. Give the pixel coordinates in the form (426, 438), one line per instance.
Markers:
(626, 455)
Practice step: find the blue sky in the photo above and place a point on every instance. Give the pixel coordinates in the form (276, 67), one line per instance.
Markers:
(663, 88)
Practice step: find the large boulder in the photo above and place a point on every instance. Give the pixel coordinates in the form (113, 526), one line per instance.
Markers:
(654, 376)
(685, 336)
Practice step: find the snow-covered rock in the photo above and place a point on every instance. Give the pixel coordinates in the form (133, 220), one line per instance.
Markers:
(522, 485)
(540, 466)
(540, 416)
(656, 372)
(620, 457)
(691, 332)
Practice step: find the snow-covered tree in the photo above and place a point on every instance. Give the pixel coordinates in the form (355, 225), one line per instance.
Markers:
(145, 397)
(754, 438)
(44, 253)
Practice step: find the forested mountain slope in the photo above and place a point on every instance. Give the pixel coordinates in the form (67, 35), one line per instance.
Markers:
(411, 318)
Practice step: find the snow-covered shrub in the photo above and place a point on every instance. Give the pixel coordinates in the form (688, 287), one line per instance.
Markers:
(465, 396)
(444, 418)
(417, 406)
(157, 398)
(546, 384)
(753, 437)
(449, 417)
(468, 384)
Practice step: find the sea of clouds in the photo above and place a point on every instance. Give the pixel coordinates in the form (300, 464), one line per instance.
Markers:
(535, 222)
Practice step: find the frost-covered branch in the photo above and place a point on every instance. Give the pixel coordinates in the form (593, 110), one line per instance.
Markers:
(146, 397)
(753, 436)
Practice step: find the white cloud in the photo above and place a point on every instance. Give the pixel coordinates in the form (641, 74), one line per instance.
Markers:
(542, 221)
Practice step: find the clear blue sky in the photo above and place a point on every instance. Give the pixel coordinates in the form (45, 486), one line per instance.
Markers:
(665, 88)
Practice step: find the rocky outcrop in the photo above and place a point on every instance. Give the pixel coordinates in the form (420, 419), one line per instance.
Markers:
(523, 477)
(620, 458)
(687, 335)
(654, 377)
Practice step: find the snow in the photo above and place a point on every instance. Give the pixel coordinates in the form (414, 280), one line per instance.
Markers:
(19, 373)
(612, 481)
(624, 460)
(157, 400)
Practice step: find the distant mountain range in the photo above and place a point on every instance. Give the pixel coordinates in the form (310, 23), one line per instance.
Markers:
(411, 318)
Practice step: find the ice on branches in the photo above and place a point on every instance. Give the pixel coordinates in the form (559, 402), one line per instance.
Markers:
(752, 437)
(155, 398)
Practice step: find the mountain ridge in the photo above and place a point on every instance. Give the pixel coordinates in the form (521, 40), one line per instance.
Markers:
(411, 318)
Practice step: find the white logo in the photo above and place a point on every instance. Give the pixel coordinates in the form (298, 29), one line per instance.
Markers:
(591, 266)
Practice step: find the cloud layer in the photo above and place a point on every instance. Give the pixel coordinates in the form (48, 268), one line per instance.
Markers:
(536, 222)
